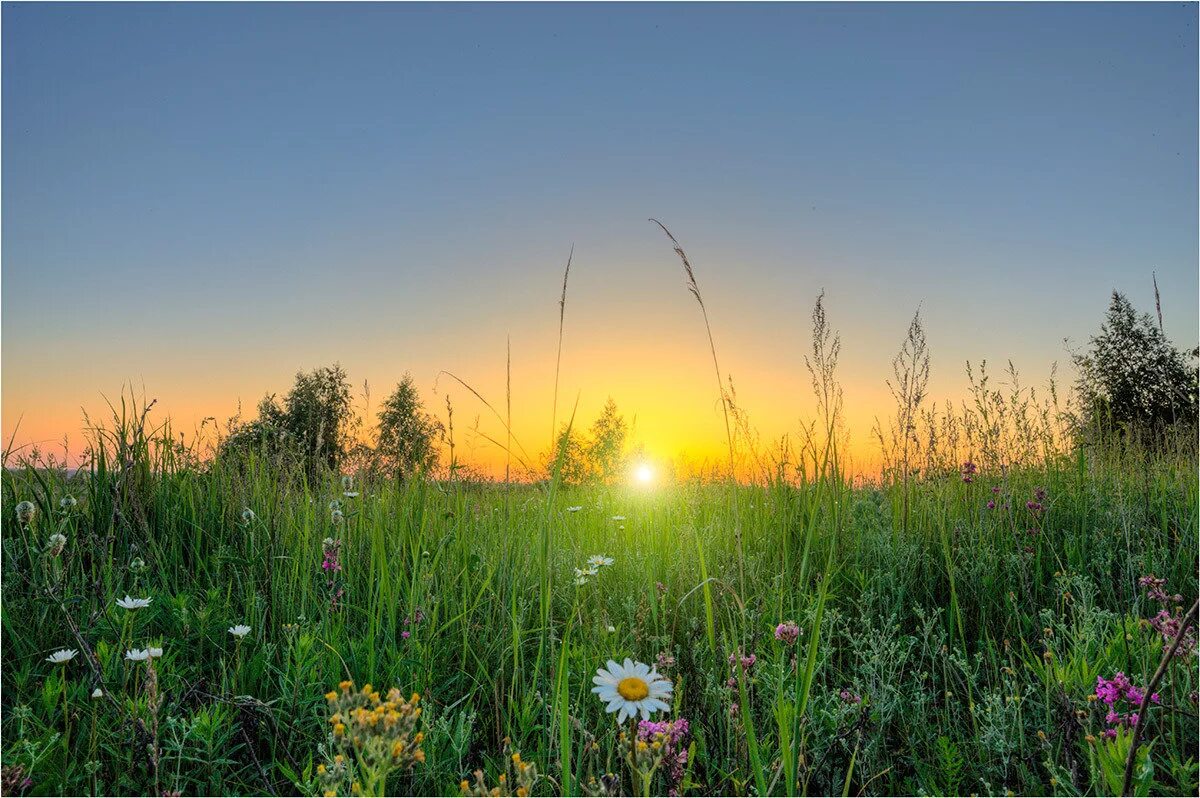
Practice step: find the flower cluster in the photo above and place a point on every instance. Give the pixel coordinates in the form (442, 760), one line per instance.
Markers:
(746, 664)
(379, 731)
(518, 778)
(13, 780)
(787, 633)
(592, 568)
(1119, 688)
(746, 661)
(849, 696)
(668, 742)
(413, 620)
(331, 565)
(1038, 502)
(968, 472)
(1169, 618)
(1155, 590)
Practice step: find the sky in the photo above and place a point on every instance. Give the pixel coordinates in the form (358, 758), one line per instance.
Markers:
(201, 200)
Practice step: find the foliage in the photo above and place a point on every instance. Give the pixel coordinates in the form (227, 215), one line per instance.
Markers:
(956, 657)
(314, 424)
(407, 435)
(1131, 376)
(600, 457)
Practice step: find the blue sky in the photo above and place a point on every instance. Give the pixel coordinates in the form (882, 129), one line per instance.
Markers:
(204, 198)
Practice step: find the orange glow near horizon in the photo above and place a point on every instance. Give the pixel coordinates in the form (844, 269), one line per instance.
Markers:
(669, 401)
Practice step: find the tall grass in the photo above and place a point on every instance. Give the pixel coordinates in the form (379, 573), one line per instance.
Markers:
(948, 646)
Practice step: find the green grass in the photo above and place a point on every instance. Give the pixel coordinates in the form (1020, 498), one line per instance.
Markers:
(941, 623)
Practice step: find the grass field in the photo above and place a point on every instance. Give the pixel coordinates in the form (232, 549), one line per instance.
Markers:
(951, 632)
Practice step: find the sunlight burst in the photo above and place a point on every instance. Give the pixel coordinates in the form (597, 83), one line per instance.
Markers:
(643, 474)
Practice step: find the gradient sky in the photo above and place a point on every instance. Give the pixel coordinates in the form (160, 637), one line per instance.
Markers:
(203, 199)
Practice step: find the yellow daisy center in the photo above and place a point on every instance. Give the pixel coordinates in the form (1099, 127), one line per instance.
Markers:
(632, 688)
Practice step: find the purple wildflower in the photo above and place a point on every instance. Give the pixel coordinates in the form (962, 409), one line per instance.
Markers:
(787, 633)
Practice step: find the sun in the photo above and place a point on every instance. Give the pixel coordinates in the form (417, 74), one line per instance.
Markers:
(643, 474)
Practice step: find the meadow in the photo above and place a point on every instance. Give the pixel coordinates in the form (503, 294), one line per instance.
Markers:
(974, 628)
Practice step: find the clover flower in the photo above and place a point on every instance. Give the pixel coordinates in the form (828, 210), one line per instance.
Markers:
(849, 697)
(747, 661)
(67, 502)
(787, 633)
(668, 745)
(248, 516)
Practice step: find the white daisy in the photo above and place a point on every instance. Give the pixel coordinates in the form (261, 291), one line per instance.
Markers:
(154, 652)
(632, 688)
(580, 578)
(130, 603)
(618, 518)
(62, 656)
(137, 654)
(239, 631)
(574, 509)
(598, 560)
(351, 494)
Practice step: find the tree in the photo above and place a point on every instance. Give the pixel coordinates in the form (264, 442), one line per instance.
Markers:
(606, 444)
(314, 422)
(407, 433)
(1132, 376)
(569, 457)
